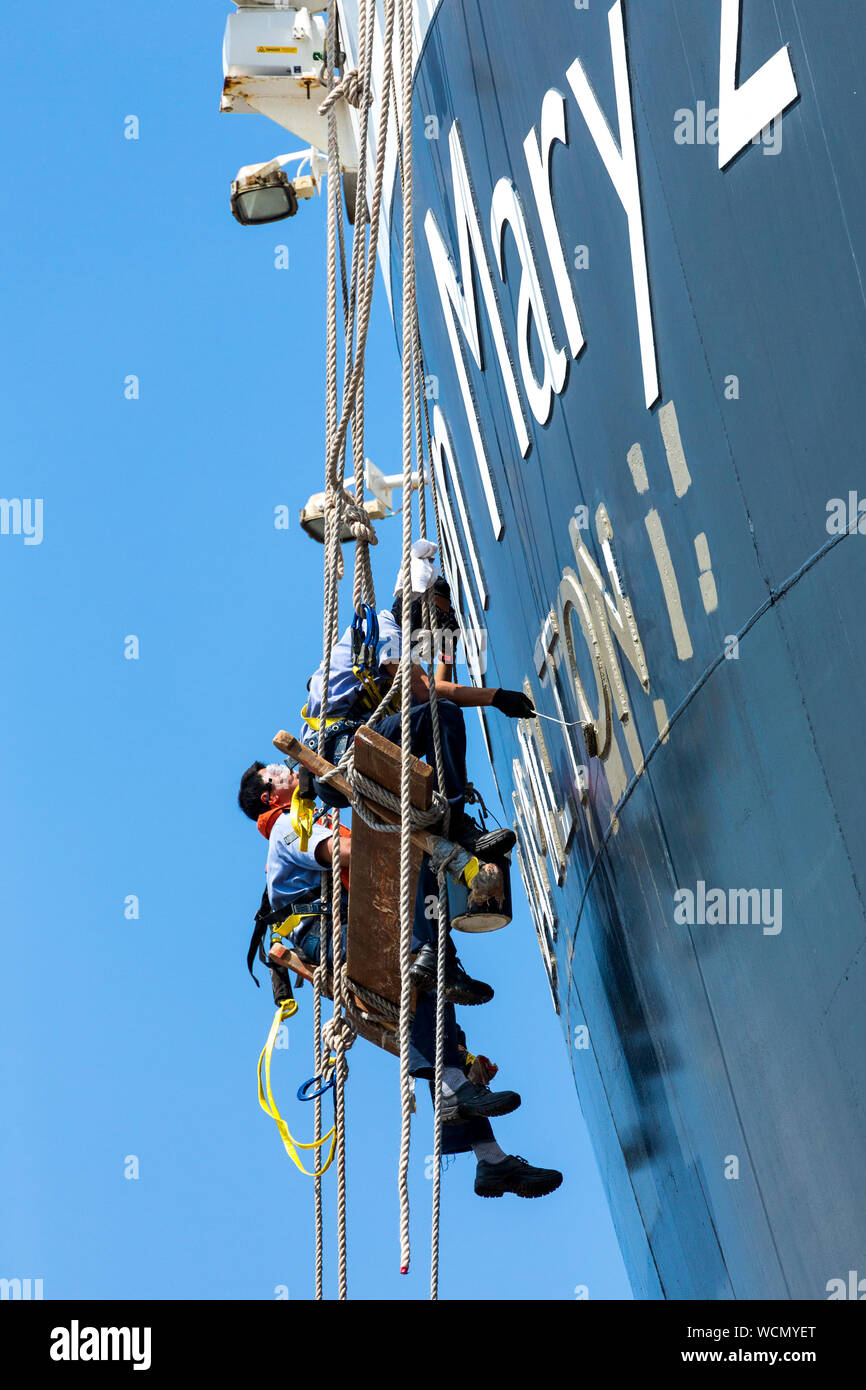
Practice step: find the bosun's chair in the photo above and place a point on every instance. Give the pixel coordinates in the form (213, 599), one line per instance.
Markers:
(373, 938)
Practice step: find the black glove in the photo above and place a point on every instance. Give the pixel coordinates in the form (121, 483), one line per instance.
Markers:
(514, 704)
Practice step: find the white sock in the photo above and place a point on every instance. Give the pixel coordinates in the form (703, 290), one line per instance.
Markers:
(452, 1079)
(489, 1152)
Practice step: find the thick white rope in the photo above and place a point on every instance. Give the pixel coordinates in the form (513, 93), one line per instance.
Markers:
(338, 1039)
(355, 86)
(363, 588)
(334, 491)
(339, 1032)
(355, 514)
(366, 300)
(429, 610)
(332, 522)
(432, 626)
(406, 905)
(317, 1131)
(351, 86)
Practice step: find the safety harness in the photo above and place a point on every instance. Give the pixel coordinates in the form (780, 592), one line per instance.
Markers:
(282, 921)
(365, 647)
(365, 667)
(302, 812)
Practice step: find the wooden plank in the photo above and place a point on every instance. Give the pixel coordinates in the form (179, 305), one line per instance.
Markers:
(373, 950)
(287, 743)
(383, 1035)
(374, 908)
(308, 758)
(380, 760)
(487, 884)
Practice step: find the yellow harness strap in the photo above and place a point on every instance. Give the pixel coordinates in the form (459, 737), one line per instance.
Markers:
(301, 815)
(369, 688)
(287, 926)
(313, 723)
(285, 1011)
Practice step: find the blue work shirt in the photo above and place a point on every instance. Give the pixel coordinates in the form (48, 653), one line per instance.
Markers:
(343, 684)
(293, 875)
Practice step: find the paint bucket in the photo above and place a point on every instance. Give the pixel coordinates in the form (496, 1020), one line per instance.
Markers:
(489, 916)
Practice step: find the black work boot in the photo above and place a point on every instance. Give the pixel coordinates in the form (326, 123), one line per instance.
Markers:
(515, 1175)
(473, 1102)
(459, 987)
(485, 844)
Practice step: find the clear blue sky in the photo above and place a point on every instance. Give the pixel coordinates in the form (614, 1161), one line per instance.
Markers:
(141, 1037)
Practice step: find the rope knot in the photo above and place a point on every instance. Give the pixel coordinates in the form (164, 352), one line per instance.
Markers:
(338, 1035)
(351, 87)
(362, 529)
(354, 514)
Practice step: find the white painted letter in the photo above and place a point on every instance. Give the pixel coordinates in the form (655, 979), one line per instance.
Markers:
(621, 165)
(538, 161)
(507, 208)
(745, 110)
(459, 307)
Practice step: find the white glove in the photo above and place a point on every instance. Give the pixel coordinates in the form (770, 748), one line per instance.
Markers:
(423, 571)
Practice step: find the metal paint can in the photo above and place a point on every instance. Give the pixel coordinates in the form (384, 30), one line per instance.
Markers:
(489, 916)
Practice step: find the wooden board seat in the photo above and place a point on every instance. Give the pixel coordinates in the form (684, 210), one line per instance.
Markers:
(373, 934)
(373, 950)
(373, 1029)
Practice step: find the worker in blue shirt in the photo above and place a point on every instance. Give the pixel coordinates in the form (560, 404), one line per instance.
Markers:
(294, 880)
(362, 668)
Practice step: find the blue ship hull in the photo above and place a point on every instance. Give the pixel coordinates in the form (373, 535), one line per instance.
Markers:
(719, 744)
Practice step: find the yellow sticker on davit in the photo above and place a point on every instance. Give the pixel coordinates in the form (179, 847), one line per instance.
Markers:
(264, 48)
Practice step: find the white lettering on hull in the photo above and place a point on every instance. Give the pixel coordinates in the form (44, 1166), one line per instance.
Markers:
(507, 210)
(746, 110)
(538, 161)
(622, 167)
(460, 309)
(546, 814)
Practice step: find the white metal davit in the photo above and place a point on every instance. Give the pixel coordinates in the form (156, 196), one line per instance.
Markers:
(274, 65)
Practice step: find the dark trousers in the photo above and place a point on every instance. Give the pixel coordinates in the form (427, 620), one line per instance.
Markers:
(422, 1041)
(456, 1139)
(337, 740)
(453, 736)
(452, 730)
(425, 925)
(309, 930)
